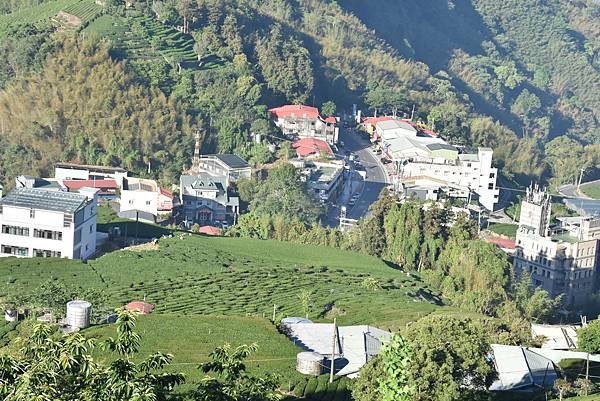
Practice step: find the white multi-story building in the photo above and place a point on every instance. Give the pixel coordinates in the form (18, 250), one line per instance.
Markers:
(299, 121)
(430, 163)
(39, 223)
(560, 259)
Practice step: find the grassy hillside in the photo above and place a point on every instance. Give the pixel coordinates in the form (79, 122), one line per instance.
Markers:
(192, 338)
(229, 276)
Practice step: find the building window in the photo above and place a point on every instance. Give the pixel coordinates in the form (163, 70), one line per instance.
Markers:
(68, 220)
(491, 185)
(14, 230)
(47, 234)
(131, 201)
(148, 203)
(492, 175)
(43, 253)
(32, 213)
(91, 229)
(14, 250)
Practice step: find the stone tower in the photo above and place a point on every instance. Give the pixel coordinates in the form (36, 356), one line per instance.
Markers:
(535, 211)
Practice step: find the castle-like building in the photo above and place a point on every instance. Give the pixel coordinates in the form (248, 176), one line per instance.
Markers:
(561, 258)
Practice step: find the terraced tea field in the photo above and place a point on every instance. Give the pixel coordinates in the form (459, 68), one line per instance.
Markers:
(194, 275)
(86, 10)
(30, 15)
(146, 39)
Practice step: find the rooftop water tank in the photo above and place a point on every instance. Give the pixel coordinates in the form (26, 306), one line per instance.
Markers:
(79, 313)
(310, 363)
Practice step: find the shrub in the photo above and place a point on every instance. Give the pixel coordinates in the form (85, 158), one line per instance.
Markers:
(311, 387)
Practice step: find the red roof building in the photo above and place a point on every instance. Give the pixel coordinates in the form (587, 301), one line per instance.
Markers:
(331, 120)
(298, 111)
(105, 186)
(142, 307)
(209, 230)
(311, 146)
(506, 244)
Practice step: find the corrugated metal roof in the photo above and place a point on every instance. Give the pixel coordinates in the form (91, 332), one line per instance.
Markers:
(33, 198)
(519, 368)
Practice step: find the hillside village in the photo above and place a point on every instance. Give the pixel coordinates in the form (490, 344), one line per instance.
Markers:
(204, 200)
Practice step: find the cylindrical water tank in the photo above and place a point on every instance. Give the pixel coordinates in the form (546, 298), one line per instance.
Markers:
(79, 313)
(310, 363)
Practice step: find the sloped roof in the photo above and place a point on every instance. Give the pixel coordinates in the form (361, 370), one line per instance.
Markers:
(356, 344)
(557, 336)
(204, 181)
(395, 124)
(34, 198)
(209, 230)
(140, 306)
(375, 120)
(295, 111)
(519, 368)
(308, 146)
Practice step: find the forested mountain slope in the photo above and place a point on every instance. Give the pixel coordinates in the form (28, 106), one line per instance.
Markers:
(531, 65)
(496, 50)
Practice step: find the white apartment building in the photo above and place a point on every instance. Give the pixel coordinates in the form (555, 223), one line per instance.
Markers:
(39, 223)
(560, 259)
(433, 165)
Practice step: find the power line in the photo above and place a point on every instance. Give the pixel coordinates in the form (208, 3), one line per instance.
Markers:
(552, 195)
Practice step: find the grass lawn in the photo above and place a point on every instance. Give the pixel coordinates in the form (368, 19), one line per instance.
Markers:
(192, 338)
(509, 230)
(595, 397)
(240, 277)
(592, 190)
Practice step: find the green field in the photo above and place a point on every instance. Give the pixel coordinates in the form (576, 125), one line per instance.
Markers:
(192, 338)
(145, 39)
(230, 276)
(86, 10)
(508, 230)
(31, 15)
(592, 190)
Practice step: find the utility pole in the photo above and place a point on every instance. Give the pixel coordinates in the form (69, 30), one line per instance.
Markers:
(580, 178)
(412, 114)
(274, 311)
(587, 367)
(333, 350)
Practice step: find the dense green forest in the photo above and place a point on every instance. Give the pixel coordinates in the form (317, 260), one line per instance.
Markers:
(519, 76)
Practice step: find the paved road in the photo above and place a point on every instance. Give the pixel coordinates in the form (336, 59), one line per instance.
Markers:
(368, 189)
(584, 206)
(376, 175)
